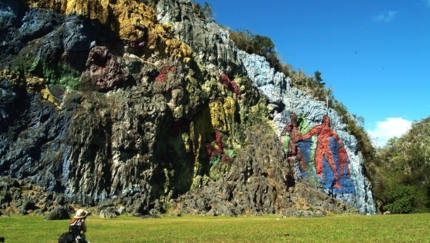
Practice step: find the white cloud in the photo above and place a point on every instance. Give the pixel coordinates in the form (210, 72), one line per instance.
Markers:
(391, 127)
(387, 17)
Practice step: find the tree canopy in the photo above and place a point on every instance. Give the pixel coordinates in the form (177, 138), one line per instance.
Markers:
(400, 174)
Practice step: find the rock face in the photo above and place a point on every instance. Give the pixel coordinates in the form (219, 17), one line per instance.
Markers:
(320, 150)
(143, 105)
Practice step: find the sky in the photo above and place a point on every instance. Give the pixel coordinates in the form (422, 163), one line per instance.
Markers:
(374, 54)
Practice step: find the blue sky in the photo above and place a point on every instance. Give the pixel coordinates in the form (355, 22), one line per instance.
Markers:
(375, 54)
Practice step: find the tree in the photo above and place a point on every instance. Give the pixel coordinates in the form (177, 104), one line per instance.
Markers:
(400, 173)
(318, 78)
(205, 12)
(208, 13)
(263, 45)
(401, 199)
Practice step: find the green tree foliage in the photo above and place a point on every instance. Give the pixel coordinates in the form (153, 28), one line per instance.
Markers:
(263, 45)
(400, 172)
(208, 13)
(204, 12)
(256, 44)
(401, 199)
(318, 78)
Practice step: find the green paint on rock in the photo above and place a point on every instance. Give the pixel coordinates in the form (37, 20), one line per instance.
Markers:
(55, 73)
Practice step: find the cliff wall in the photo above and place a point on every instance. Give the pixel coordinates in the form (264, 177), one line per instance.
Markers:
(147, 105)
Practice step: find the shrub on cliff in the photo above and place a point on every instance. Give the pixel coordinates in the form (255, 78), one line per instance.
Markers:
(204, 12)
(256, 44)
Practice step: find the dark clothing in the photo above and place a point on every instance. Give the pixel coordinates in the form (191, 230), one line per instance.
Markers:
(77, 227)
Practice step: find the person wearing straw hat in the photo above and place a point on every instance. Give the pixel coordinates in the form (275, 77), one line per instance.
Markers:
(77, 225)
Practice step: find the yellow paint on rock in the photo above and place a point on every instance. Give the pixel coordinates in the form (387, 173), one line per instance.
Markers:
(161, 35)
(128, 13)
(11, 76)
(36, 84)
(31, 83)
(229, 105)
(46, 94)
(218, 116)
(219, 112)
(201, 133)
(122, 16)
(93, 9)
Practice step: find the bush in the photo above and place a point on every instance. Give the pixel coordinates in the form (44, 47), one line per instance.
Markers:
(256, 44)
(401, 199)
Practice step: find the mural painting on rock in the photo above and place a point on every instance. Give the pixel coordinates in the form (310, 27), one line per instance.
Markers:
(304, 158)
(318, 154)
(143, 104)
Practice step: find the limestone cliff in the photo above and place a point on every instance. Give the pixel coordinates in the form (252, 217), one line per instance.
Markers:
(144, 104)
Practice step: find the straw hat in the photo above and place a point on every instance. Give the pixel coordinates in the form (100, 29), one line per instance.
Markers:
(80, 214)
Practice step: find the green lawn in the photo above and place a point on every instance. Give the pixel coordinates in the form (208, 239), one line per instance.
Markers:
(334, 228)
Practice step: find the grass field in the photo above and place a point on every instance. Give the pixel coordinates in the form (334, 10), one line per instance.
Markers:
(333, 228)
